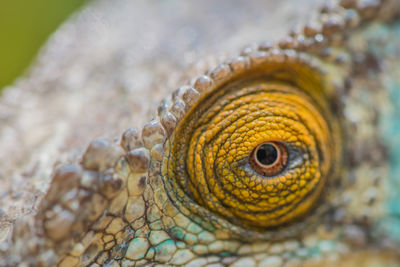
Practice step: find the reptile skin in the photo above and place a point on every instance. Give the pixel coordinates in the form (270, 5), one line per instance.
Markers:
(181, 191)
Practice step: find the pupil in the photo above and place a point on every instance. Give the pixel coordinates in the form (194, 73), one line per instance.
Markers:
(267, 154)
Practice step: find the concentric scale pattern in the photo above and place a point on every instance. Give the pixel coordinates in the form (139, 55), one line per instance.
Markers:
(212, 149)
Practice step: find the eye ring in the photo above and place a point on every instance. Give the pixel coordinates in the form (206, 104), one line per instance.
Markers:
(269, 158)
(209, 163)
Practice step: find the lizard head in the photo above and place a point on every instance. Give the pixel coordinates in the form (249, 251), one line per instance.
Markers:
(283, 156)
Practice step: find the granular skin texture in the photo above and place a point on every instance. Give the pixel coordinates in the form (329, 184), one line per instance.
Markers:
(180, 189)
(211, 149)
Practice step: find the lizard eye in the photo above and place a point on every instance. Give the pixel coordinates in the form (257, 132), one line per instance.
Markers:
(269, 158)
(257, 150)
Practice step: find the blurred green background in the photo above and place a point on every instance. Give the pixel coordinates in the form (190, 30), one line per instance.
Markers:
(24, 26)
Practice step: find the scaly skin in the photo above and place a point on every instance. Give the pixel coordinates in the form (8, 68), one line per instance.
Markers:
(121, 206)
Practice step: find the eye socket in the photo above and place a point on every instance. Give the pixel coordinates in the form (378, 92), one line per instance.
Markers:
(269, 158)
(229, 156)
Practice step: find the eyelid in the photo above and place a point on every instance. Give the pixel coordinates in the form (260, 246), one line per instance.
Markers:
(207, 166)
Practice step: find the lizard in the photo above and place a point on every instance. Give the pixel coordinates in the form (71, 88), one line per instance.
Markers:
(151, 198)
